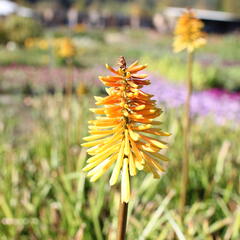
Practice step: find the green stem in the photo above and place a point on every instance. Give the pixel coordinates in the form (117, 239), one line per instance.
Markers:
(186, 135)
(122, 220)
(69, 85)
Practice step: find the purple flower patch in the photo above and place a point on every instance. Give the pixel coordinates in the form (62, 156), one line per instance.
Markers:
(221, 105)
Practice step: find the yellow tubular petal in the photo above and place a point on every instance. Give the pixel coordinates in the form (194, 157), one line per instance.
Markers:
(94, 137)
(106, 124)
(158, 156)
(140, 107)
(136, 116)
(100, 132)
(132, 65)
(105, 165)
(104, 154)
(100, 127)
(111, 69)
(110, 141)
(96, 142)
(156, 131)
(138, 159)
(132, 167)
(127, 146)
(148, 147)
(147, 168)
(96, 176)
(139, 165)
(108, 90)
(92, 143)
(155, 142)
(158, 167)
(141, 127)
(155, 171)
(132, 84)
(97, 110)
(140, 76)
(134, 136)
(125, 184)
(107, 119)
(154, 162)
(118, 165)
(98, 98)
(105, 146)
(138, 68)
(98, 171)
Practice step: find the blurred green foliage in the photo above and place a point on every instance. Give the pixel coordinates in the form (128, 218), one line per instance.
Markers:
(226, 47)
(174, 69)
(44, 194)
(217, 64)
(18, 29)
(3, 35)
(23, 57)
(204, 76)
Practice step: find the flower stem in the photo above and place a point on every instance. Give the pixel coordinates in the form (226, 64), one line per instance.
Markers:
(186, 135)
(69, 93)
(122, 220)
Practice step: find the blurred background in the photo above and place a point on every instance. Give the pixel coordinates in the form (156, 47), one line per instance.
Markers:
(51, 53)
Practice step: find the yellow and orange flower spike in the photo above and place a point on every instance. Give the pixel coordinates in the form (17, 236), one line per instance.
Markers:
(119, 137)
(188, 33)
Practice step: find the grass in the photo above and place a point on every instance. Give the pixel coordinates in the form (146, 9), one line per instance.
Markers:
(44, 194)
(23, 56)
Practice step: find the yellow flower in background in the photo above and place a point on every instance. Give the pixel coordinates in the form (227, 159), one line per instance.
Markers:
(43, 44)
(29, 42)
(79, 28)
(122, 135)
(188, 33)
(66, 48)
(82, 89)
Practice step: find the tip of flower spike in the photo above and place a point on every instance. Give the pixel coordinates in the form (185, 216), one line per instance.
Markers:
(122, 62)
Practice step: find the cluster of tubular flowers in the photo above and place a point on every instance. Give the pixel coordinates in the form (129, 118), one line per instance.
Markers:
(188, 33)
(121, 135)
